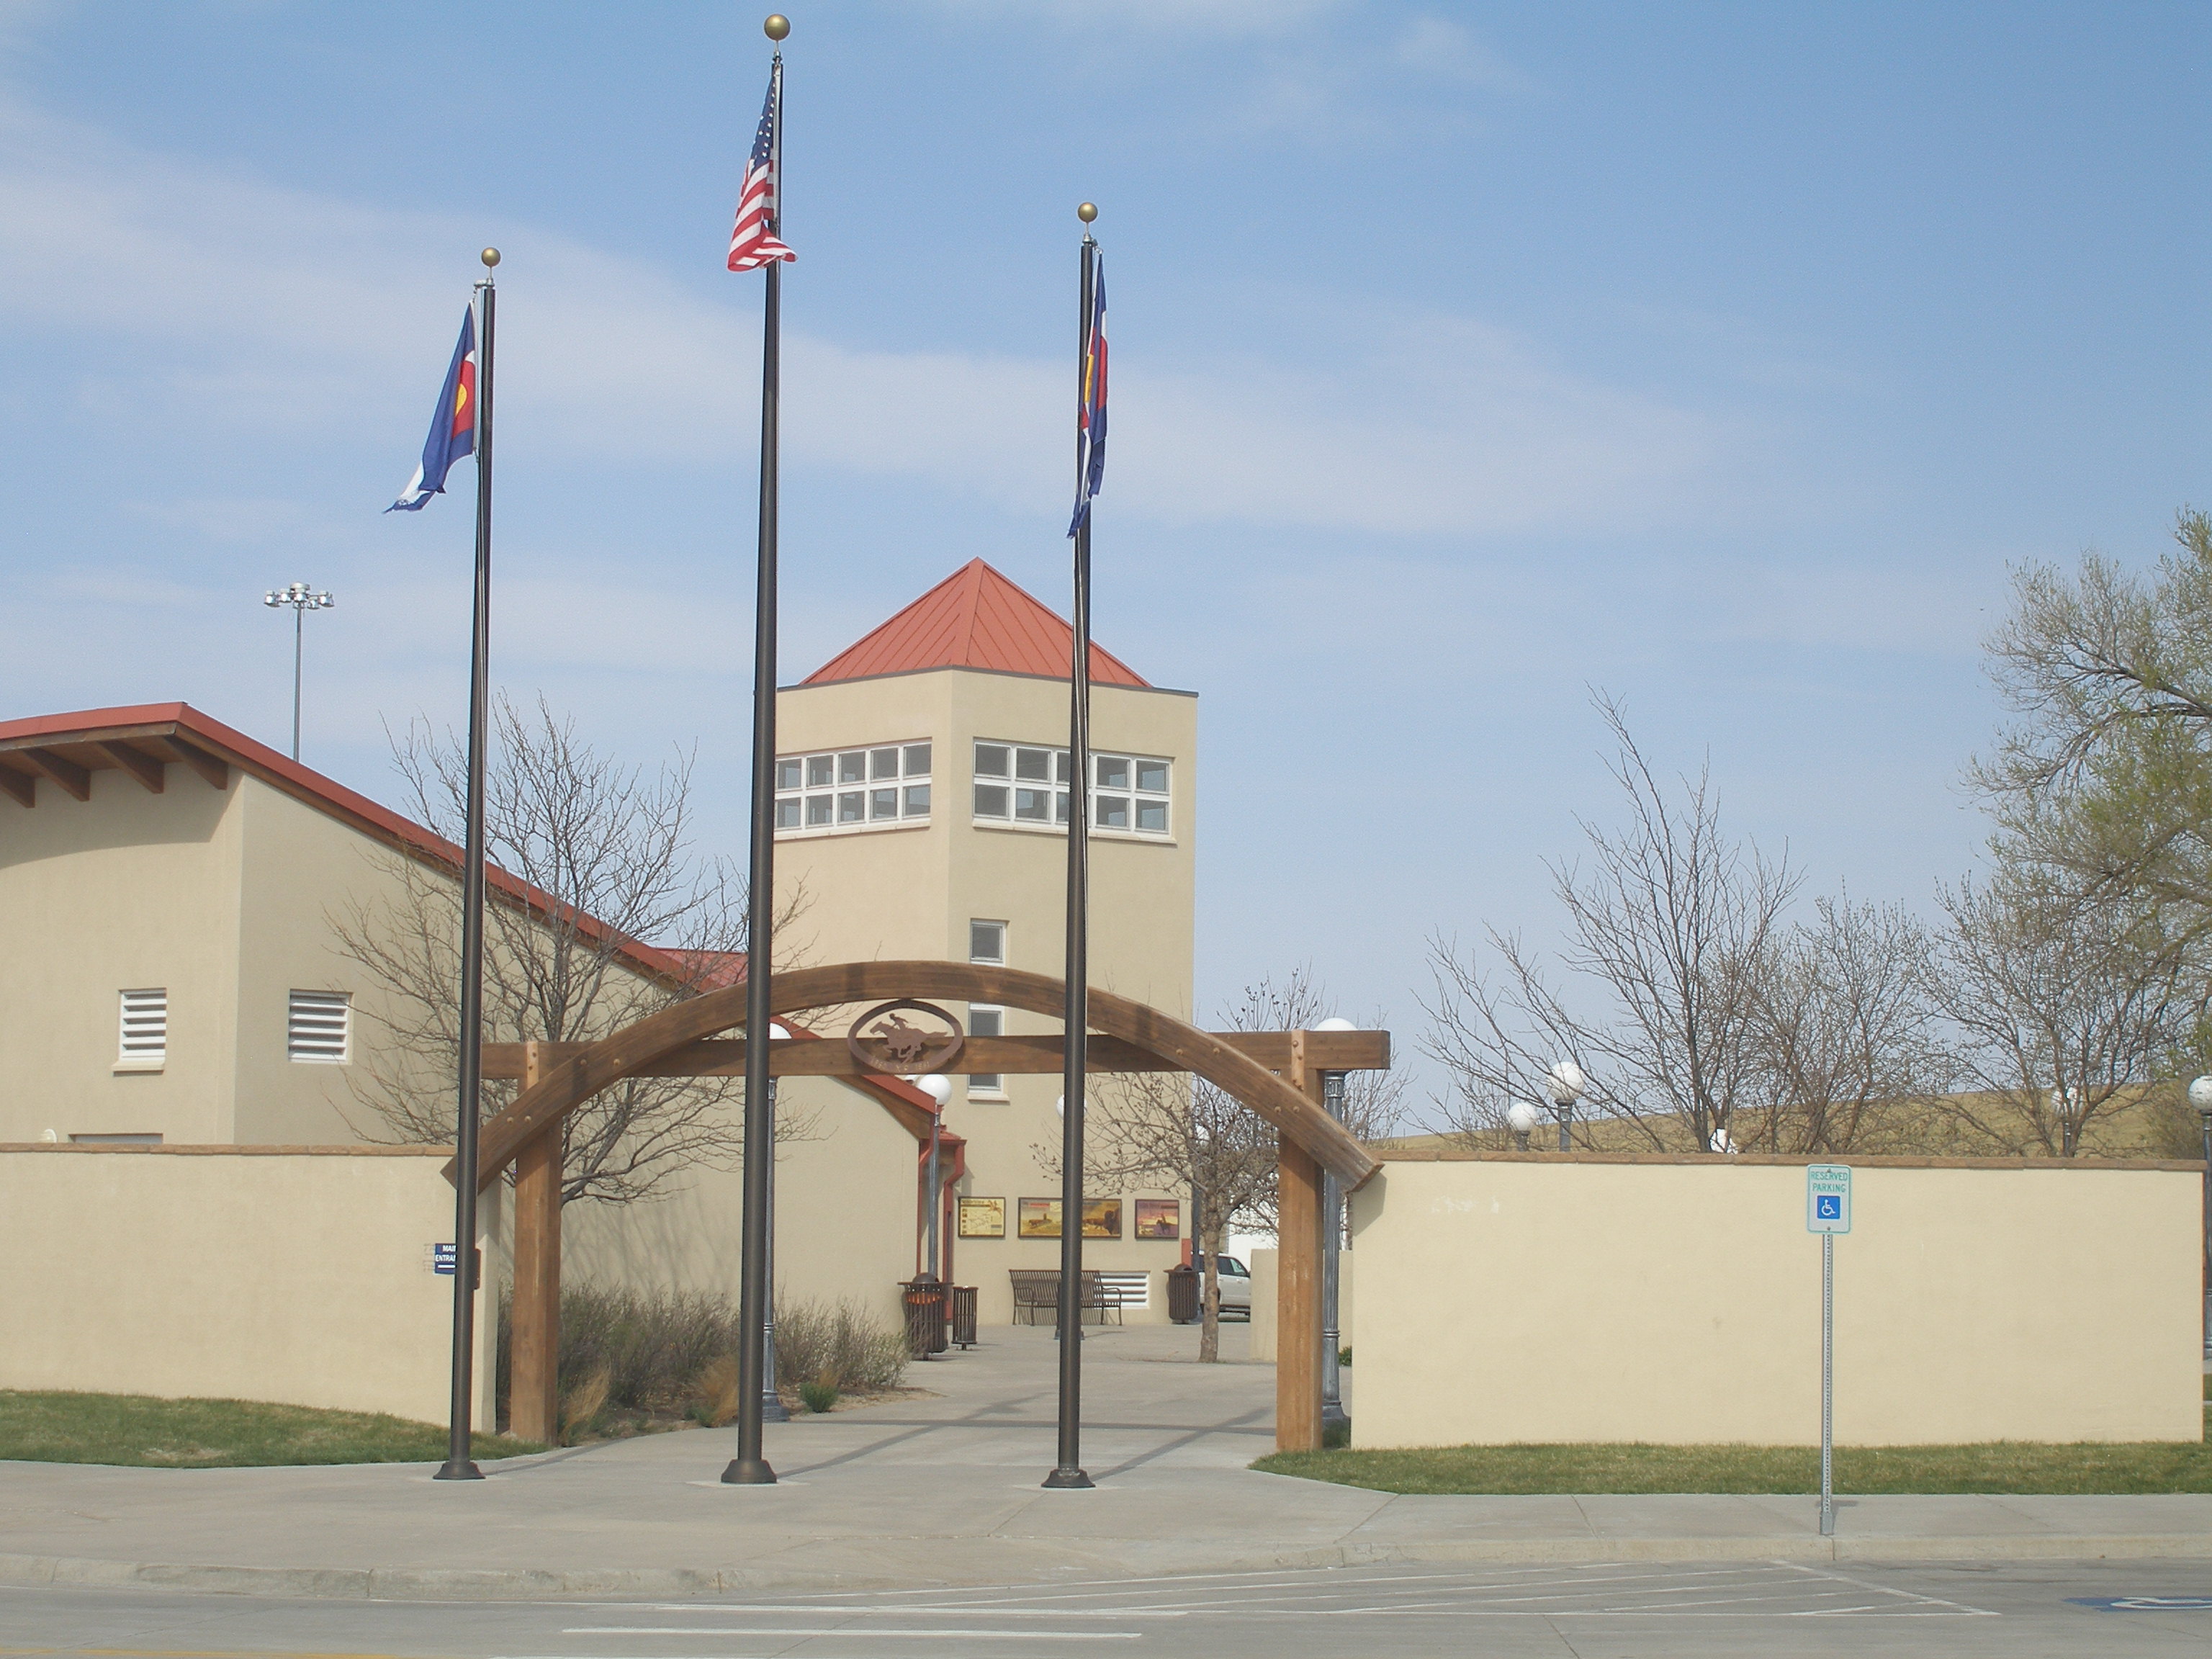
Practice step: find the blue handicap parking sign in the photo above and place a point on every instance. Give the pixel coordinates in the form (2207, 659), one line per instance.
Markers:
(1829, 1206)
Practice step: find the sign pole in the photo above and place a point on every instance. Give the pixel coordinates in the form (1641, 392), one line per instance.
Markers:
(1827, 1385)
(1827, 1213)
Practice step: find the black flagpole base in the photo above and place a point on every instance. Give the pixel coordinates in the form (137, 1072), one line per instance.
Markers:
(749, 1472)
(1067, 1480)
(772, 1411)
(463, 1469)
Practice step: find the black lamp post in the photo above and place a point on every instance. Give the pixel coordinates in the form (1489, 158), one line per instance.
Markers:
(2200, 1096)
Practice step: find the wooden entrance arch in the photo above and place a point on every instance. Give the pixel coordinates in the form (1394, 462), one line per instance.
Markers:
(1278, 1075)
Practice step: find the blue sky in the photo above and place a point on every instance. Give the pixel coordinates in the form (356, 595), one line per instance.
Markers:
(1467, 357)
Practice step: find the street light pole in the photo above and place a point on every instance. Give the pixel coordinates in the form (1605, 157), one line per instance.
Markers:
(772, 1409)
(939, 1091)
(1333, 1414)
(2200, 1096)
(1523, 1116)
(1565, 1083)
(302, 600)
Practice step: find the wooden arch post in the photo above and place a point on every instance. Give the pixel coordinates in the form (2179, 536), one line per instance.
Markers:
(1276, 1074)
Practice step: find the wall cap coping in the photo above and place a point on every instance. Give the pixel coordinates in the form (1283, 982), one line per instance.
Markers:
(219, 1151)
(1390, 1155)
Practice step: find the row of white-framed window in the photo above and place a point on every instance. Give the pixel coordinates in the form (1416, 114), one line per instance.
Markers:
(887, 785)
(318, 1028)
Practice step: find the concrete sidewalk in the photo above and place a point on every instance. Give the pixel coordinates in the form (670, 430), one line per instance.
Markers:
(944, 1491)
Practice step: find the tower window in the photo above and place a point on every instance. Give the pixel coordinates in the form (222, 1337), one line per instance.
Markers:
(1130, 794)
(879, 788)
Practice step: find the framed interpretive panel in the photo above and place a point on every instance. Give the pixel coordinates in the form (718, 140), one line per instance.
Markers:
(982, 1218)
(1159, 1218)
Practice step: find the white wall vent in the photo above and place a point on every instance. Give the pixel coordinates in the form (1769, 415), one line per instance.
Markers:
(1134, 1290)
(319, 1026)
(144, 1045)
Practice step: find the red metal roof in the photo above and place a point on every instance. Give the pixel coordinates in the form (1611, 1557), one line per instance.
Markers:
(975, 618)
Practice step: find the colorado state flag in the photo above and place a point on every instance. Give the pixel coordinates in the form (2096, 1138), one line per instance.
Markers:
(453, 426)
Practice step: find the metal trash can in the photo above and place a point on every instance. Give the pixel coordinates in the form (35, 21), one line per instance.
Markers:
(1182, 1295)
(924, 1299)
(964, 1315)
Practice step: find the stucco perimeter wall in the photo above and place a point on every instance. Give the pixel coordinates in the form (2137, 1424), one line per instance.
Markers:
(1549, 1298)
(290, 1274)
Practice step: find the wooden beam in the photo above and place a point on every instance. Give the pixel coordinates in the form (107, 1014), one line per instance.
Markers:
(140, 765)
(628, 1052)
(533, 1386)
(216, 771)
(21, 788)
(66, 772)
(1298, 1275)
(1014, 1056)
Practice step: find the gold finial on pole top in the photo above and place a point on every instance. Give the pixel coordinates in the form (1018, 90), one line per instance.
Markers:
(490, 257)
(776, 26)
(1087, 212)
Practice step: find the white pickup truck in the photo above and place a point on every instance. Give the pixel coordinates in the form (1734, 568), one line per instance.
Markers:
(1236, 1285)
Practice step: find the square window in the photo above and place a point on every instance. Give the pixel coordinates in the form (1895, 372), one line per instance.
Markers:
(883, 803)
(883, 764)
(786, 814)
(852, 808)
(1063, 766)
(917, 760)
(1033, 763)
(852, 767)
(787, 773)
(1152, 776)
(1113, 771)
(1113, 812)
(917, 800)
(819, 808)
(990, 800)
(986, 1023)
(993, 760)
(1060, 809)
(1152, 816)
(987, 941)
(817, 770)
(1030, 804)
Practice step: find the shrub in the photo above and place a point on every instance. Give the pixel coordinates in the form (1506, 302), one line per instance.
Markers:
(580, 1409)
(714, 1401)
(671, 1352)
(818, 1395)
(839, 1343)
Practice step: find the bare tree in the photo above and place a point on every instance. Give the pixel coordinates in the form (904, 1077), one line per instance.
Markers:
(1848, 1054)
(2105, 777)
(1182, 1133)
(1670, 930)
(2065, 1001)
(604, 860)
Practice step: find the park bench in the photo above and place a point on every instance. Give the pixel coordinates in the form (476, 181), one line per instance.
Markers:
(1037, 1296)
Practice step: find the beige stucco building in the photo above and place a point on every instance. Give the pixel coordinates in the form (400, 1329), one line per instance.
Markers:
(185, 885)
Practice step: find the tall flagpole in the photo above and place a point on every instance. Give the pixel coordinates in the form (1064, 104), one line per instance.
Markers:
(460, 1465)
(1068, 1472)
(748, 1468)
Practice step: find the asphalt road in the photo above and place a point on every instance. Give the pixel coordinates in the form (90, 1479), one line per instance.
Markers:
(2020, 1610)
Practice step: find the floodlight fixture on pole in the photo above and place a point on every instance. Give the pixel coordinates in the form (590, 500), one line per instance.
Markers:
(1523, 1116)
(939, 1091)
(303, 599)
(1565, 1083)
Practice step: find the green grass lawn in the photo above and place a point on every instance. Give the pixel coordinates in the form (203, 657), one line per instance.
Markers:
(143, 1432)
(2000, 1467)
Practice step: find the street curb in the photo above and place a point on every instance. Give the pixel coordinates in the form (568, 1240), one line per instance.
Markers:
(443, 1585)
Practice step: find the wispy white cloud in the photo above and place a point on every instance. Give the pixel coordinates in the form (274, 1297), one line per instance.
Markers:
(262, 308)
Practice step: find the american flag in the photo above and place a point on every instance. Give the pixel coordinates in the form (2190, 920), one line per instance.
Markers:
(753, 243)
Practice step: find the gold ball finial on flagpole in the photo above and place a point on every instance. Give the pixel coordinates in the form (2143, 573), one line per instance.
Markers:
(490, 257)
(1087, 212)
(776, 26)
